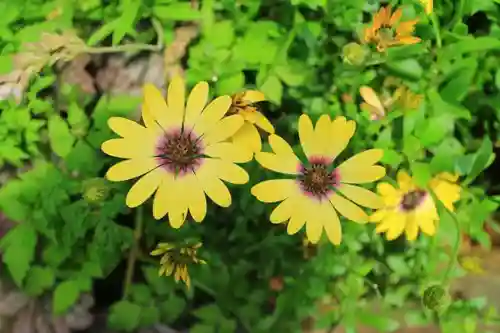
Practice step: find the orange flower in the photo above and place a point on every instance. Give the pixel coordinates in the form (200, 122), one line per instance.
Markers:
(387, 30)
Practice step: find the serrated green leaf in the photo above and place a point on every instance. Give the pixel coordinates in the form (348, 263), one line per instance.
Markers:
(18, 248)
(221, 35)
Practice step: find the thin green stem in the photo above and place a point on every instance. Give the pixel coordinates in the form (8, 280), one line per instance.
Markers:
(134, 251)
(131, 47)
(437, 30)
(455, 250)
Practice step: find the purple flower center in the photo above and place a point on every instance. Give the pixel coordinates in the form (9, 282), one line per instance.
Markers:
(180, 151)
(316, 179)
(413, 199)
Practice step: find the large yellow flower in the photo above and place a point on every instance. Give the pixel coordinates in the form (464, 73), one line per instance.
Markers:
(318, 189)
(387, 30)
(180, 153)
(409, 208)
(248, 135)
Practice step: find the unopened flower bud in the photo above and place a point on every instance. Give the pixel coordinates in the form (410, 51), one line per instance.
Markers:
(436, 298)
(354, 54)
(95, 190)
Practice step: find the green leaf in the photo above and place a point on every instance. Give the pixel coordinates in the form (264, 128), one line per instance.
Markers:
(272, 89)
(409, 67)
(39, 280)
(60, 137)
(436, 129)
(125, 316)
(291, 74)
(150, 315)
(177, 11)
(392, 158)
(18, 248)
(221, 35)
(470, 45)
(172, 308)
(421, 173)
(104, 31)
(202, 328)
(126, 22)
(141, 294)
(399, 265)
(440, 106)
(229, 85)
(209, 313)
(65, 296)
(481, 160)
(377, 321)
(460, 82)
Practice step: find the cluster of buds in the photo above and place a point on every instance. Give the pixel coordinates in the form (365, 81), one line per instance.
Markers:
(33, 57)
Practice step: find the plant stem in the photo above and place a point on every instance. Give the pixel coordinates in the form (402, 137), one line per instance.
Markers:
(456, 248)
(436, 28)
(134, 252)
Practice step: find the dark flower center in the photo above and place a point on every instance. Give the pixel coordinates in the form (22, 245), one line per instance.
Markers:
(412, 199)
(180, 151)
(317, 180)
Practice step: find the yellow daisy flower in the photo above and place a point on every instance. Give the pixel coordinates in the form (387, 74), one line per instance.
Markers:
(181, 152)
(387, 30)
(175, 260)
(409, 208)
(318, 189)
(248, 135)
(373, 104)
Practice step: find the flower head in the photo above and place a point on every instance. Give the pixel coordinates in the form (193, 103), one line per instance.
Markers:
(387, 30)
(176, 259)
(409, 208)
(407, 99)
(244, 104)
(355, 54)
(372, 103)
(428, 6)
(180, 152)
(95, 190)
(436, 298)
(318, 189)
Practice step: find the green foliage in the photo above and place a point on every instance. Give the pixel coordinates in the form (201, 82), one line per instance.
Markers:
(306, 57)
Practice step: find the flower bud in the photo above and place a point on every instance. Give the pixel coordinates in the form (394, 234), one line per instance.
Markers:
(354, 54)
(95, 190)
(436, 298)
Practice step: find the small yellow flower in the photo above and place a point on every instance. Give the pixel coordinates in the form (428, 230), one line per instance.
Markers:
(181, 153)
(428, 5)
(373, 104)
(248, 135)
(407, 99)
(472, 265)
(318, 189)
(387, 30)
(409, 208)
(176, 259)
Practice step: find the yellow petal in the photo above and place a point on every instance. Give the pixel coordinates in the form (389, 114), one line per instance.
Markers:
(341, 133)
(196, 201)
(314, 228)
(283, 211)
(361, 196)
(229, 152)
(222, 169)
(144, 187)
(322, 135)
(299, 216)
(287, 164)
(177, 201)
(160, 208)
(130, 169)
(332, 225)
(130, 148)
(275, 190)
(197, 100)
(390, 195)
(157, 107)
(348, 209)
(253, 96)
(411, 229)
(405, 182)
(427, 225)
(248, 137)
(306, 135)
(397, 224)
(279, 145)
(212, 114)
(176, 96)
(378, 216)
(359, 168)
(213, 187)
(370, 97)
(150, 122)
(257, 118)
(223, 129)
(126, 128)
